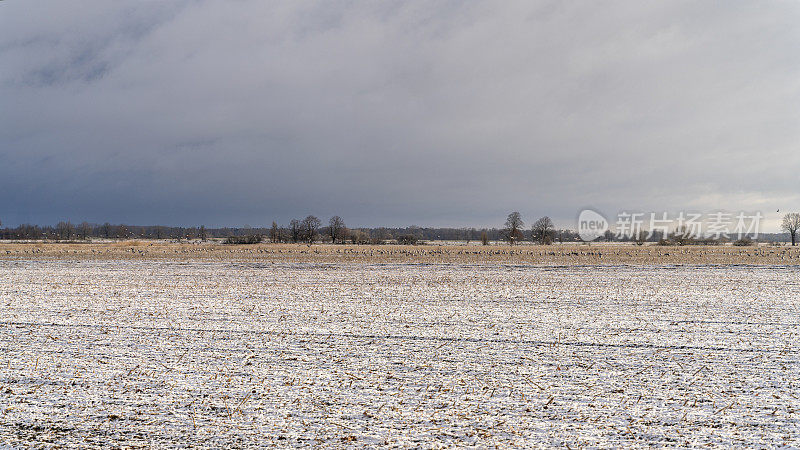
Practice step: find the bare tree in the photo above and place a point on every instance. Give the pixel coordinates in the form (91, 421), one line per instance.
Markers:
(295, 232)
(543, 230)
(191, 233)
(202, 234)
(641, 237)
(681, 236)
(336, 229)
(309, 227)
(122, 232)
(274, 233)
(484, 238)
(466, 235)
(27, 231)
(65, 230)
(790, 224)
(359, 237)
(513, 229)
(84, 230)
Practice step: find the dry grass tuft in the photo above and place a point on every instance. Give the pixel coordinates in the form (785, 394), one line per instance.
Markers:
(129, 243)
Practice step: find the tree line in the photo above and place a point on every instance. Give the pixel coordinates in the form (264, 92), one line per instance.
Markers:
(544, 232)
(311, 229)
(307, 230)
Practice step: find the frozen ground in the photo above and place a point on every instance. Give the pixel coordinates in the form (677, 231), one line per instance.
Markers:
(137, 353)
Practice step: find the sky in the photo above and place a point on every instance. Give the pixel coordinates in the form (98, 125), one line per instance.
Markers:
(226, 113)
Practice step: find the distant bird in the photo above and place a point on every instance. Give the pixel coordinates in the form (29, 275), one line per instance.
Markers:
(779, 210)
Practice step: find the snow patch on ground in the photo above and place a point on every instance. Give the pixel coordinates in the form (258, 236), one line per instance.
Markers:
(217, 354)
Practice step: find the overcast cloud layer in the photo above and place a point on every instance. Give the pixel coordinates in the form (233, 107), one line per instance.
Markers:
(447, 113)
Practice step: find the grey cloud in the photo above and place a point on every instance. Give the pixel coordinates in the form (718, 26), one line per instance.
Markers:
(227, 113)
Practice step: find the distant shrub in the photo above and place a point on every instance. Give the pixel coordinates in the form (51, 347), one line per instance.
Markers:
(244, 240)
(407, 239)
(743, 242)
(359, 237)
(708, 241)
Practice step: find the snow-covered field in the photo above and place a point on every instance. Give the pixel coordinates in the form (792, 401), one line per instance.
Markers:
(139, 353)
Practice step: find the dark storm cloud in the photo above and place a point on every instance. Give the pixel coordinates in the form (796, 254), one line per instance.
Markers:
(228, 113)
